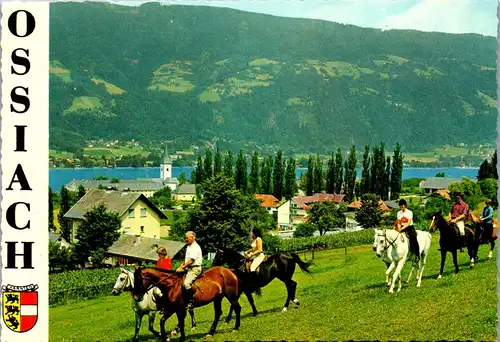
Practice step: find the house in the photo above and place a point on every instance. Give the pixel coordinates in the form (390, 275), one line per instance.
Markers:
(137, 214)
(55, 237)
(185, 192)
(269, 202)
(357, 204)
(284, 222)
(145, 186)
(131, 249)
(433, 184)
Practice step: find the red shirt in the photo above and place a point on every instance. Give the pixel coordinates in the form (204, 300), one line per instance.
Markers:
(458, 209)
(165, 264)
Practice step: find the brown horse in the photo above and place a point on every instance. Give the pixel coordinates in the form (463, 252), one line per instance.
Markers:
(212, 286)
(480, 236)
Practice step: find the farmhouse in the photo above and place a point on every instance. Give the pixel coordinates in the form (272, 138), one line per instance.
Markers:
(145, 186)
(269, 202)
(130, 249)
(185, 192)
(137, 214)
(433, 184)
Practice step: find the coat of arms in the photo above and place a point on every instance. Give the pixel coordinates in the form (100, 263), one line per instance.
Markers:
(20, 307)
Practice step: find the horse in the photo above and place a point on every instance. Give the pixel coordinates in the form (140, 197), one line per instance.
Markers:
(449, 241)
(278, 265)
(125, 282)
(211, 286)
(393, 247)
(480, 239)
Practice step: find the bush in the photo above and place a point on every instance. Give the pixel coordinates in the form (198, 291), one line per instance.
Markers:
(304, 230)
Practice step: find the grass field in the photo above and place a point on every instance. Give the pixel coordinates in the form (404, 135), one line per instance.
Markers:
(344, 299)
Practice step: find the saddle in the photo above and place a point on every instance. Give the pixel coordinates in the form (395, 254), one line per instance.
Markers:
(248, 263)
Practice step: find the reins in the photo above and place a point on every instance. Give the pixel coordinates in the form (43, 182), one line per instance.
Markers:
(386, 239)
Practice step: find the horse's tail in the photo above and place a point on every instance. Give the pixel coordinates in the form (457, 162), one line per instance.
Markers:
(229, 276)
(304, 266)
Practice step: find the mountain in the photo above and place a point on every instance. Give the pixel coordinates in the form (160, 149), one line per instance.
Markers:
(192, 73)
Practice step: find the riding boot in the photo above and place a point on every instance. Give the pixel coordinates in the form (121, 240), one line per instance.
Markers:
(188, 295)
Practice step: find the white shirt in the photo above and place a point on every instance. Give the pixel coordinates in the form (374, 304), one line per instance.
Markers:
(193, 251)
(408, 214)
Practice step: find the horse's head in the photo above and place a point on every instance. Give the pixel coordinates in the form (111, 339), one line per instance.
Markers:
(379, 242)
(436, 222)
(219, 258)
(147, 278)
(226, 257)
(124, 282)
(139, 288)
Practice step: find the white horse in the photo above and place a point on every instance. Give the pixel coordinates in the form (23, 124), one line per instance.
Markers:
(147, 305)
(392, 246)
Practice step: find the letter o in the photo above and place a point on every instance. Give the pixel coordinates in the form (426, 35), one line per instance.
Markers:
(30, 24)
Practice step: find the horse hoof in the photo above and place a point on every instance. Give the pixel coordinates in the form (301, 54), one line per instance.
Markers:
(173, 333)
(208, 336)
(284, 310)
(296, 301)
(234, 330)
(193, 328)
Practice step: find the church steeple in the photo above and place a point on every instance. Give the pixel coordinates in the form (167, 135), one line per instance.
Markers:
(166, 166)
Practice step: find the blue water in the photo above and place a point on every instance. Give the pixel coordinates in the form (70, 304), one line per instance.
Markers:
(59, 177)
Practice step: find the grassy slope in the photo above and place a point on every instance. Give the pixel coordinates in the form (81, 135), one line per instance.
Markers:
(345, 299)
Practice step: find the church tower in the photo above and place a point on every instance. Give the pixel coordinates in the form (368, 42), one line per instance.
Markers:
(166, 166)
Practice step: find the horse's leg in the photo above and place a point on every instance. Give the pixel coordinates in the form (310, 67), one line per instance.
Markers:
(443, 259)
(218, 313)
(396, 274)
(294, 291)
(288, 285)
(492, 246)
(252, 303)
(138, 320)
(387, 272)
(152, 316)
(237, 309)
(455, 261)
(181, 316)
(421, 268)
(193, 321)
(411, 272)
(228, 318)
(472, 248)
(163, 320)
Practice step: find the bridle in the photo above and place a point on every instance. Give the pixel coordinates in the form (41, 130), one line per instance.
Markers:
(128, 282)
(384, 234)
(153, 285)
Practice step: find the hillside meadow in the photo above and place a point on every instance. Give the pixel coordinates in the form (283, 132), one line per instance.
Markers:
(345, 298)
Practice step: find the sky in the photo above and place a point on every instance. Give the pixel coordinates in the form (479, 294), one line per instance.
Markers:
(450, 16)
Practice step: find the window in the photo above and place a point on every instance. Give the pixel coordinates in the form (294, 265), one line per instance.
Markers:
(142, 229)
(143, 212)
(131, 213)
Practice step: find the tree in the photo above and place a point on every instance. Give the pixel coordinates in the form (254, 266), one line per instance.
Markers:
(484, 171)
(493, 165)
(81, 192)
(471, 190)
(396, 172)
(330, 179)
(65, 224)
(278, 176)
(310, 176)
(387, 178)
(182, 178)
(207, 164)
(51, 212)
(241, 173)
(365, 174)
(369, 214)
(290, 182)
(338, 172)
(218, 163)
(489, 187)
(200, 172)
(440, 174)
(254, 174)
(265, 176)
(304, 230)
(60, 257)
(97, 232)
(163, 198)
(318, 175)
(350, 174)
(228, 165)
(326, 216)
(224, 216)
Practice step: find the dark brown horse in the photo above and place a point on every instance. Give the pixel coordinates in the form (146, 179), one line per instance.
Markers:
(481, 238)
(212, 286)
(449, 240)
(279, 265)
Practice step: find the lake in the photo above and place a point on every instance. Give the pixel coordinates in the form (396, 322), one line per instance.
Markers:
(59, 177)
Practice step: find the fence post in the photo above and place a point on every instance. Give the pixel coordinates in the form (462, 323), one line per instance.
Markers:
(345, 249)
(313, 254)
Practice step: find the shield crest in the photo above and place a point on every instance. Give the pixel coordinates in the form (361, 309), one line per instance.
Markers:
(20, 307)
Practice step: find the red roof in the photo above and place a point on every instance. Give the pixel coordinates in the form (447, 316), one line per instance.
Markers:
(305, 201)
(268, 201)
(381, 204)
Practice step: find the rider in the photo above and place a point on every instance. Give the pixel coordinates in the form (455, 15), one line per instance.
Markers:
(191, 263)
(405, 224)
(256, 252)
(164, 261)
(458, 212)
(486, 220)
